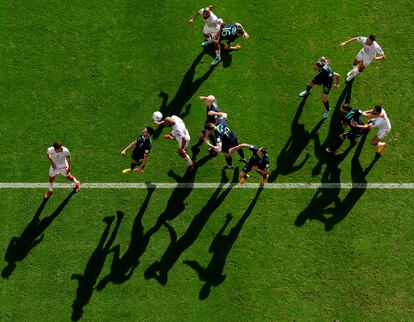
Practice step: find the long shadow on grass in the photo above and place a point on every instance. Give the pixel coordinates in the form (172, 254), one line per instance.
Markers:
(87, 280)
(123, 266)
(20, 247)
(185, 92)
(159, 269)
(221, 246)
(295, 145)
(320, 206)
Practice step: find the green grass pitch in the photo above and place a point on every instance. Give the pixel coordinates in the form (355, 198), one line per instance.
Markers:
(90, 73)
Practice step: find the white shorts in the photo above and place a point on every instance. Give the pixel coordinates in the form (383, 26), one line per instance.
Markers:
(61, 170)
(212, 32)
(382, 133)
(179, 141)
(362, 56)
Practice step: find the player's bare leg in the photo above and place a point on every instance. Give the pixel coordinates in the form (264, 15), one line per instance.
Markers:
(325, 102)
(75, 181)
(376, 141)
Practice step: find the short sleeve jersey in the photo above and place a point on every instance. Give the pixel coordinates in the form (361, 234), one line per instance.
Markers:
(229, 33)
(212, 21)
(59, 158)
(212, 118)
(325, 76)
(261, 163)
(178, 129)
(370, 50)
(351, 116)
(143, 146)
(382, 122)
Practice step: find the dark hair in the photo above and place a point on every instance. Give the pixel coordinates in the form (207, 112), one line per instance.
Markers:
(347, 107)
(372, 37)
(263, 150)
(150, 130)
(57, 145)
(378, 108)
(209, 126)
(319, 64)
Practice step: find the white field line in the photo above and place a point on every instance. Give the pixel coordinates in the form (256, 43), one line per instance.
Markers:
(166, 185)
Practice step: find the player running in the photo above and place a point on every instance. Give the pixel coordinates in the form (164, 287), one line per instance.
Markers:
(351, 119)
(378, 119)
(180, 133)
(370, 50)
(259, 162)
(326, 77)
(141, 149)
(225, 139)
(60, 163)
(230, 33)
(212, 27)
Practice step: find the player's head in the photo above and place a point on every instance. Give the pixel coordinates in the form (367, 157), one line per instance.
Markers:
(239, 30)
(318, 65)
(346, 107)
(210, 100)
(168, 121)
(209, 127)
(262, 152)
(377, 110)
(148, 131)
(370, 40)
(58, 146)
(206, 12)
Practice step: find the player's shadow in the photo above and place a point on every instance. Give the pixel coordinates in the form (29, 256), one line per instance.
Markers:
(185, 92)
(87, 280)
(123, 266)
(159, 269)
(226, 57)
(221, 246)
(286, 161)
(335, 129)
(20, 247)
(326, 206)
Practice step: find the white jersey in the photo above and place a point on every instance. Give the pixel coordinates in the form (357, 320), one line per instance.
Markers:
(59, 158)
(179, 130)
(212, 23)
(382, 122)
(370, 50)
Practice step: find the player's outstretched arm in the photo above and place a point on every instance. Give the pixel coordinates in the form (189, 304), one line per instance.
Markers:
(337, 77)
(130, 146)
(238, 147)
(380, 57)
(348, 41)
(191, 20)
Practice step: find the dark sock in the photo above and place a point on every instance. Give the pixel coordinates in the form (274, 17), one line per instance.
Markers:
(338, 144)
(133, 165)
(241, 153)
(229, 161)
(198, 144)
(326, 104)
(308, 88)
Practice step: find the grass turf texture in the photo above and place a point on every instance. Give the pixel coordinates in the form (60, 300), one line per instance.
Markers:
(91, 74)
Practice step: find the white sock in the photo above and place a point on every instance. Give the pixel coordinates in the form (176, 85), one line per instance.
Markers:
(74, 180)
(380, 144)
(50, 186)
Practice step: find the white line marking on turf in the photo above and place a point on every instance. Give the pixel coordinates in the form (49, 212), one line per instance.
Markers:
(166, 185)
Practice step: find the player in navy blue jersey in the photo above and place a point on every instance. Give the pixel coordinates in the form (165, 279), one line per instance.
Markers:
(230, 33)
(326, 77)
(259, 162)
(351, 118)
(213, 114)
(141, 149)
(224, 139)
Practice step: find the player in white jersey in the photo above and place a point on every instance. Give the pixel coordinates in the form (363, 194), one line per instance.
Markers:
(60, 163)
(180, 133)
(212, 28)
(378, 119)
(370, 50)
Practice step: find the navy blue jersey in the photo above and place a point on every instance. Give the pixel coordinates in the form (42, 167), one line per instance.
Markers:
(353, 115)
(212, 118)
(143, 146)
(325, 76)
(261, 162)
(229, 33)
